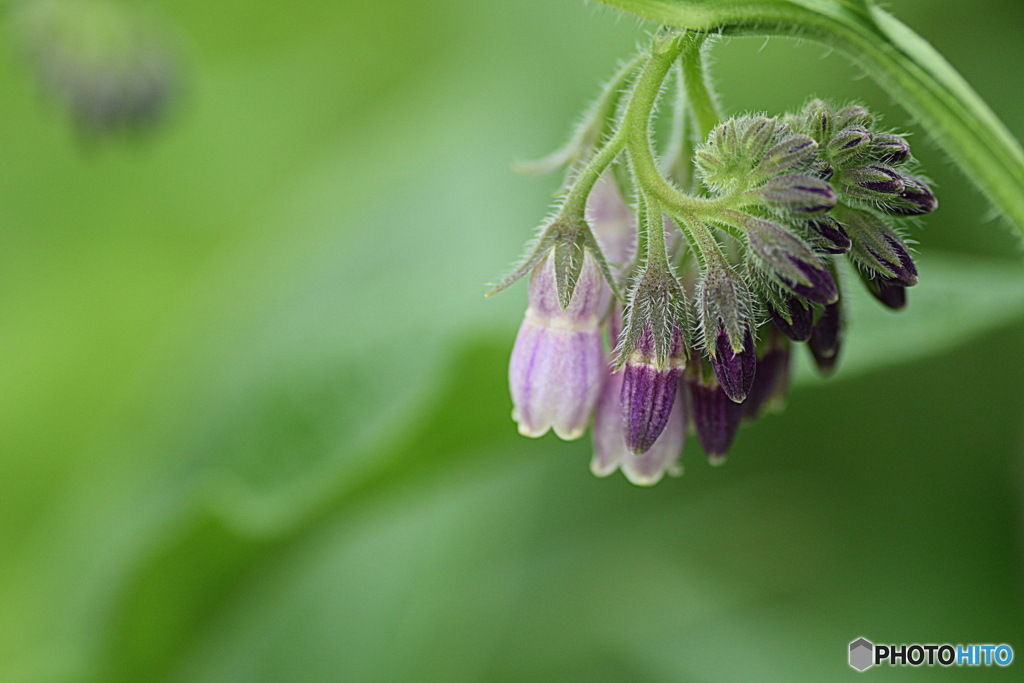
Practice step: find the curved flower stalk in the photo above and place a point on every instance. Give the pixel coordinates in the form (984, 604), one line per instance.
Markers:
(717, 281)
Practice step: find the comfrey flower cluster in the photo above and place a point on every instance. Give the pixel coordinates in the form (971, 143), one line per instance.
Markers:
(676, 312)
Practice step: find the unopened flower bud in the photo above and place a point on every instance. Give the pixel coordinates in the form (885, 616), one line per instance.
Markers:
(853, 115)
(873, 183)
(716, 417)
(878, 247)
(890, 149)
(795, 321)
(792, 262)
(609, 441)
(557, 363)
(772, 381)
(850, 145)
(892, 293)
(826, 338)
(798, 194)
(735, 370)
(915, 200)
(818, 120)
(792, 153)
(830, 235)
(649, 390)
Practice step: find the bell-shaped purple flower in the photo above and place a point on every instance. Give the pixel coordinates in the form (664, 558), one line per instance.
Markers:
(609, 440)
(735, 370)
(649, 389)
(716, 417)
(557, 364)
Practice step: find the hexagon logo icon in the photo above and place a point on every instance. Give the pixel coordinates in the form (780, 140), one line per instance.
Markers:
(861, 654)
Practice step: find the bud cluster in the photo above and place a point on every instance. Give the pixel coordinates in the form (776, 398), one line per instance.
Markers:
(721, 281)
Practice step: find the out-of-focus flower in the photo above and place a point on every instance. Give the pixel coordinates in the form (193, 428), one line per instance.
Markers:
(112, 66)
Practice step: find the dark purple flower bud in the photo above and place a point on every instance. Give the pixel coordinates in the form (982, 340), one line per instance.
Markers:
(877, 247)
(902, 267)
(890, 149)
(874, 182)
(716, 418)
(833, 239)
(772, 381)
(892, 293)
(735, 370)
(915, 200)
(801, 319)
(849, 145)
(648, 392)
(557, 363)
(826, 338)
(791, 260)
(797, 193)
(853, 115)
(610, 452)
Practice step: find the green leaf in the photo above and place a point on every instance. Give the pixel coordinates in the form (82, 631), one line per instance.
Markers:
(902, 63)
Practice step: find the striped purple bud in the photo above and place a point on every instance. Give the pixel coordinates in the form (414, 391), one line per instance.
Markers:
(915, 200)
(791, 260)
(609, 440)
(873, 183)
(792, 153)
(830, 235)
(649, 389)
(735, 370)
(799, 194)
(849, 145)
(853, 115)
(795, 321)
(716, 417)
(878, 247)
(890, 149)
(826, 338)
(557, 363)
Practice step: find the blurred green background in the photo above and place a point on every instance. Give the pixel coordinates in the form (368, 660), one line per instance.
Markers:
(254, 422)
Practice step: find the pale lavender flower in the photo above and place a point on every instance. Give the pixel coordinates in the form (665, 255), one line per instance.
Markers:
(558, 363)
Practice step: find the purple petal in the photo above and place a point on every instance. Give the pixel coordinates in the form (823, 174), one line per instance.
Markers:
(735, 371)
(822, 289)
(646, 401)
(555, 377)
(716, 418)
(803, 319)
(772, 380)
(826, 338)
(830, 229)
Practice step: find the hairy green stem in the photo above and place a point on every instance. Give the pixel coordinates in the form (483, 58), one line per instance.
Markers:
(902, 62)
(698, 89)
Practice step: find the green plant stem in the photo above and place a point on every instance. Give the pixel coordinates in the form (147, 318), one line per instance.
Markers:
(702, 103)
(902, 63)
